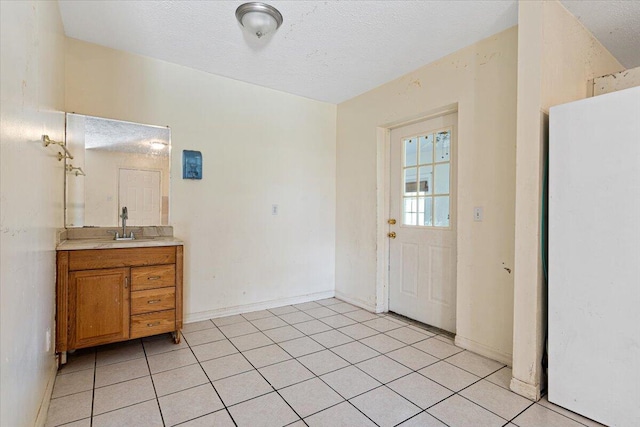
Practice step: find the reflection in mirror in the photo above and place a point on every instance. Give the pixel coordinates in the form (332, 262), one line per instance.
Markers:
(126, 164)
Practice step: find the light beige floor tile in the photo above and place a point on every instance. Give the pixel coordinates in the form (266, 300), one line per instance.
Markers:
(382, 343)
(255, 315)
(350, 381)
(198, 326)
(312, 327)
(179, 379)
(307, 306)
(539, 416)
(143, 414)
(251, 341)
(384, 324)
(329, 302)
(119, 395)
(228, 320)
(445, 338)
(321, 312)
(301, 346)
(269, 323)
(419, 390)
(354, 352)
(385, 407)
(423, 420)
(458, 411)
(204, 336)
(171, 360)
(286, 333)
(237, 329)
(322, 362)
(164, 344)
(296, 317)
(361, 315)
(214, 350)
(286, 373)
(189, 404)
(69, 408)
(412, 358)
(501, 377)
(477, 365)
(344, 307)
(496, 399)
(298, 423)
(78, 362)
(569, 414)
(241, 387)
(341, 415)
(278, 311)
(358, 331)
(449, 376)
(226, 366)
(408, 335)
(265, 356)
(72, 383)
(122, 371)
(437, 348)
(331, 338)
(383, 369)
(220, 418)
(81, 423)
(310, 396)
(119, 352)
(338, 321)
(264, 411)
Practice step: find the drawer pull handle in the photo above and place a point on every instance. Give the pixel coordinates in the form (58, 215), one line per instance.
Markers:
(153, 278)
(153, 324)
(153, 301)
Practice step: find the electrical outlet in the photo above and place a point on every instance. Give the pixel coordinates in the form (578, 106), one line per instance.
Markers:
(274, 209)
(478, 213)
(48, 340)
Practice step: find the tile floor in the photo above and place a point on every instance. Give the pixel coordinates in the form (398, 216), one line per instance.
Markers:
(323, 363)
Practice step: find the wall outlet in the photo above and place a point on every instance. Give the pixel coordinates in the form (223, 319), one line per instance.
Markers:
(478, 213)
(274, 209)
(48, 340)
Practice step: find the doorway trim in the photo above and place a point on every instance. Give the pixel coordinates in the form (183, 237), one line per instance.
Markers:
(383, 188)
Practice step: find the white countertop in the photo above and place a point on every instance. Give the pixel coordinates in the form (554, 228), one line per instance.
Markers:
(142, 242)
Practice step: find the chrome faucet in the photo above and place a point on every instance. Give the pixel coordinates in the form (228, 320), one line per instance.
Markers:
(125, 216)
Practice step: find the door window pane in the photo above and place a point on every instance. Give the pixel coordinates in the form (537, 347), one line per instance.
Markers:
(426, 149)
(410, 211)
(426, 179)
(424, 211)
(441, 180)
(443, 146)
(410, 181)
(410, 152)
(441, 208)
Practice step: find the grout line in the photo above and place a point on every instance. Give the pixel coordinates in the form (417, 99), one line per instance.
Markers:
(93, 391)
(153, 384)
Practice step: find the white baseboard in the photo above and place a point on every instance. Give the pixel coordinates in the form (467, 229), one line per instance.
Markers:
(356, 301)
(246, 308)
(483, 350)
(530, 391)
(41, 419)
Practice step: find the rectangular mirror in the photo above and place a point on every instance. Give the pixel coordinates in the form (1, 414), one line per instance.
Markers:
(116, 164)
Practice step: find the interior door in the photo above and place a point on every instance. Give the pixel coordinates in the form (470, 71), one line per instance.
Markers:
(422, 241)
(140, 192)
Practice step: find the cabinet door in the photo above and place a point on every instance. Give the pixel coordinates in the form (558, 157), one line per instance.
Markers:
(98, 306)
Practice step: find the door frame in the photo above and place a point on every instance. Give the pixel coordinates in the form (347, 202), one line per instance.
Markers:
(383, 189)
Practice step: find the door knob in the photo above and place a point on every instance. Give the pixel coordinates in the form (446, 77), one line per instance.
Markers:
(392, 235)
(391, 221)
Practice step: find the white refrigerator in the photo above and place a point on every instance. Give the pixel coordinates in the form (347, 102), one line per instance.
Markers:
(594, 257)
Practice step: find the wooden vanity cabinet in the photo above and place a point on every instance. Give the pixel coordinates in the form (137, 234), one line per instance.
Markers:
(110, 295)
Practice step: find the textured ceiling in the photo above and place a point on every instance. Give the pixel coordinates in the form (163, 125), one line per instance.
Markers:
(615, 23)
(325, 50)
(126, 137)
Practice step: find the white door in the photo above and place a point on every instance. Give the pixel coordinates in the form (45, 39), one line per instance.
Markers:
(139, 191)
(422, 264)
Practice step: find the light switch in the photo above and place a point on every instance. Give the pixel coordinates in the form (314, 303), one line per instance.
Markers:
(478, 213)
(274, 209)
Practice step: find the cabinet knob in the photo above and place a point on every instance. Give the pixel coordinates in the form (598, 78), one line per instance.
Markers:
(153, 301)
(153, 278)
(126, 282)
(151, 325)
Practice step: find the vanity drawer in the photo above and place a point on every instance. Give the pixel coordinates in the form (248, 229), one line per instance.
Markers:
(157, 276)
(92, 259)
(153, 300)
(144, 325)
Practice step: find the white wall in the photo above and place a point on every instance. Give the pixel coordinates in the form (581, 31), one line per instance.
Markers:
(31, 195)
(259, 146)
(557, 57)
(481, 80)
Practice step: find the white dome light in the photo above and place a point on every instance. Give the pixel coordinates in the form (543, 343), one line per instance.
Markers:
(259, 18)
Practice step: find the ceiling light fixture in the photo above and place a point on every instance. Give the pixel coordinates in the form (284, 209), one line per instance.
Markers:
(259, 18)
(158, 145)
